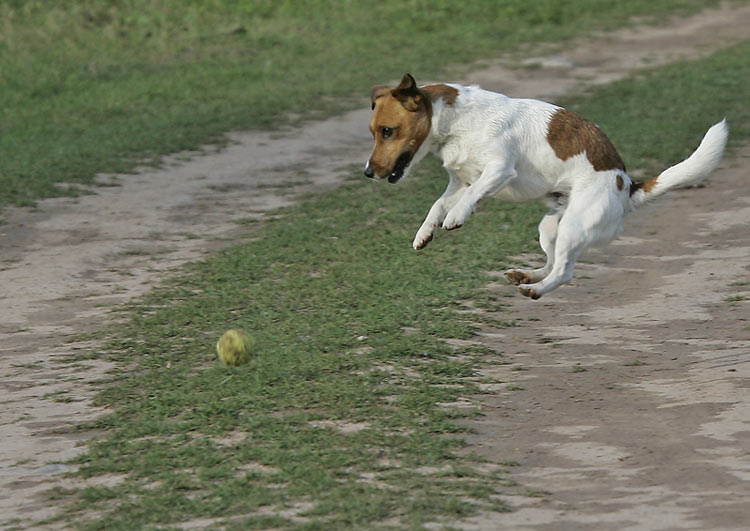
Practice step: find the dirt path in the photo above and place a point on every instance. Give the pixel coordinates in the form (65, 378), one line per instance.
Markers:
(65, 264)
(634, 404)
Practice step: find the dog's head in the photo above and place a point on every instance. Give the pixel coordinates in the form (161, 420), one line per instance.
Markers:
(400, 125)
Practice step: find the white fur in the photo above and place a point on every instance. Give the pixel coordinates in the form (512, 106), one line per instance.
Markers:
(693, 170)
(493, 145)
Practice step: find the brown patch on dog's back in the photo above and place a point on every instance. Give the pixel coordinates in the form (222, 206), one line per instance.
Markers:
(445, 92)
(620, 182)
(570, 134)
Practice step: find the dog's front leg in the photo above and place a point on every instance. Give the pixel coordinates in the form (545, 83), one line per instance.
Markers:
(490, 182)
(437, 213)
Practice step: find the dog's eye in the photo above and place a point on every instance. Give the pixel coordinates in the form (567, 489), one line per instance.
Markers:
(386, 132)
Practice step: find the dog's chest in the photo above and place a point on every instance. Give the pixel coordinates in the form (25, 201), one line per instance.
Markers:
(465, 164)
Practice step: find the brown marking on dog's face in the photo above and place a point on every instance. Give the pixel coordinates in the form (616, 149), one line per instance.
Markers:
(445, 92)
(570, 134)
(400, 124)
(620, 183)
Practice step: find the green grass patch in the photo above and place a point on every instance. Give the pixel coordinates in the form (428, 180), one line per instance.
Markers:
(338, 404)
(664, 124)
(88, 86)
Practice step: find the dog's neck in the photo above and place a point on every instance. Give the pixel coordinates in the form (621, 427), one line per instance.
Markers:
(438, 102)
(443, 115)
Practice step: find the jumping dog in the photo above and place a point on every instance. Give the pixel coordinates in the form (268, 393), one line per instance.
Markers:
(514, 149)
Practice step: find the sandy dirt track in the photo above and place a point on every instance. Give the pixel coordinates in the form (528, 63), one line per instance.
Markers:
(653, 434)
(633, 410)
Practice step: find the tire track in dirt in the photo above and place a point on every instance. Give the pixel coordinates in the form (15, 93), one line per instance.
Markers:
(68, 262)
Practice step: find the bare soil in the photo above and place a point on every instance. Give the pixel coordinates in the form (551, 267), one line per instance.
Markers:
(626, 402)
(634, 407)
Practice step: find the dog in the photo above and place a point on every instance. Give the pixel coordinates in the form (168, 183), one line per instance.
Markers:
(514, 149)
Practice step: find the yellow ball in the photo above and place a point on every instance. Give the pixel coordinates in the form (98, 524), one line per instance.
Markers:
(234, 347)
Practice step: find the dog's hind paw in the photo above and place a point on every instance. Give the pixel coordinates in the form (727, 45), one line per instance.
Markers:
(516, 277)
(528, 292)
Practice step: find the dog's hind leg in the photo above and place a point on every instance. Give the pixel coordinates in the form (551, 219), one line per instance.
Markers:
(591, 217)
(547, 237)
(568, 246)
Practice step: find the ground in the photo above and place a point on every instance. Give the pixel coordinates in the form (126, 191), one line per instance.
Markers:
(632, 411)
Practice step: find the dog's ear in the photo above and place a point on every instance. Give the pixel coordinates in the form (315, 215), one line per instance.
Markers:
(408, 93)
(378, 92)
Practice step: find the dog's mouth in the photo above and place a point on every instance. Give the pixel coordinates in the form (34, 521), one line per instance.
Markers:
(398, 169)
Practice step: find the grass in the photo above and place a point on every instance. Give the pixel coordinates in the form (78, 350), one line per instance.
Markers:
(336, 422)
(91, 87)
(650, 130)
(349, 325)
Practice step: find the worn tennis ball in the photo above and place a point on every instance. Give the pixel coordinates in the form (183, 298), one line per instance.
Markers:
(234, 347)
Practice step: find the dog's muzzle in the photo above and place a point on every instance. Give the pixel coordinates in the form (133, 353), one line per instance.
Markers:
(402, 162)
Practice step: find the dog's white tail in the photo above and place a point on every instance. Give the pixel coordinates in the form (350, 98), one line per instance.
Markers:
(690, 171)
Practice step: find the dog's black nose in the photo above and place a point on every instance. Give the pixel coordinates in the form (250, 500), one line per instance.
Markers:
(369, 172)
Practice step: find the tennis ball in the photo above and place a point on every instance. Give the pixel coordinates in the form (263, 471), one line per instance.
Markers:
(234, 347)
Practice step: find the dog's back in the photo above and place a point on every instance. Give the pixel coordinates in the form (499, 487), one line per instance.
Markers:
(550, 148)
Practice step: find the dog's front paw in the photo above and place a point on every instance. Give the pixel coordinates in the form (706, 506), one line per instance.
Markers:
(424, 235)
(421, 240)
(456, 217)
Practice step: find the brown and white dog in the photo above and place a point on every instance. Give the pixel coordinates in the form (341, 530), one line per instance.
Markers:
(519, 150)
